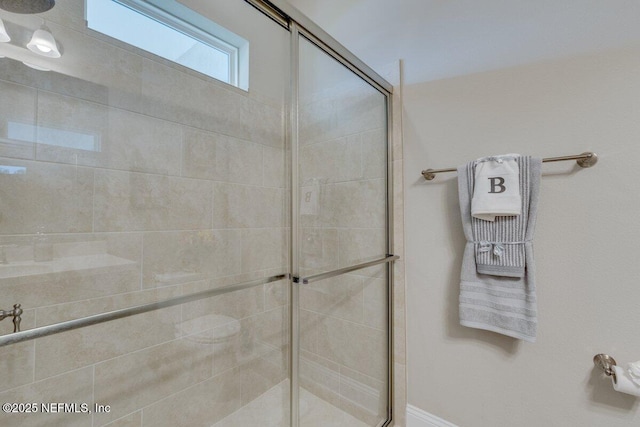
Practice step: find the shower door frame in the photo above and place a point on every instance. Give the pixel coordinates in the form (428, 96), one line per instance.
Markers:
(292, 136)
(300, 26)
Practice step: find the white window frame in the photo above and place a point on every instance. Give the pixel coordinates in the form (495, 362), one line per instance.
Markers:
(181, 19)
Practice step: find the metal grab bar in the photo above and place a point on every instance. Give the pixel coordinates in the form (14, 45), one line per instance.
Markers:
(322, 276)
(95, 319)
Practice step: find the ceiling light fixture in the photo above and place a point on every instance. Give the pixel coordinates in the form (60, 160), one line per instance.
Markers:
(27, 6)
(4, 36)
(43, 43)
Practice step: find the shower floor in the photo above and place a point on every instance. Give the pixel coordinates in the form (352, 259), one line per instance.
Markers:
(268, 411)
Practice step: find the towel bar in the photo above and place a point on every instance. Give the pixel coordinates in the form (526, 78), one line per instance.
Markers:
(584, 160)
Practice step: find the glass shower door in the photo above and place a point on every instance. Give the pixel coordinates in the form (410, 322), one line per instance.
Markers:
(341, 223)
(129, 180)
(137, 188)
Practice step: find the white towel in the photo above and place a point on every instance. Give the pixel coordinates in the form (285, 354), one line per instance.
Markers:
(497, 187)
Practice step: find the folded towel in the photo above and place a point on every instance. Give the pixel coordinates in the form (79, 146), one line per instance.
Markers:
(500, 245)
(498, 301)
(497, 187)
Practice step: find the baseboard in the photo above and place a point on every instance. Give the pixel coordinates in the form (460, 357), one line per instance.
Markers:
(416, 417)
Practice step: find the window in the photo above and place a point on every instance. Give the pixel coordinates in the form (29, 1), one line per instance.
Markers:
(174, 32)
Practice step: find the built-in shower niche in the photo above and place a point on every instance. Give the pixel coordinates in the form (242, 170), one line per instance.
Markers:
(45, 261)
(44, 269)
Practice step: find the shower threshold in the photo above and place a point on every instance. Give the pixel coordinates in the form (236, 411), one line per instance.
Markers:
(270, 410)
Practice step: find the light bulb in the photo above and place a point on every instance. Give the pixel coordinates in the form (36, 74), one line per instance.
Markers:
(43, 43)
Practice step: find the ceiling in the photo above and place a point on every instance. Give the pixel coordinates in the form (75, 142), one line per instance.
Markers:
(445, 38)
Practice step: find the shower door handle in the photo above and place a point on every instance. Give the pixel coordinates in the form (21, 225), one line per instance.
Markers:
(322, 276)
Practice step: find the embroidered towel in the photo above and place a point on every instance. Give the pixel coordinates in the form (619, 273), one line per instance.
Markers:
(497, 187)
(499, 245)
(501, 303)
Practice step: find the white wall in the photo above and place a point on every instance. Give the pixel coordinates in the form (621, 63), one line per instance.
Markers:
(587, 242)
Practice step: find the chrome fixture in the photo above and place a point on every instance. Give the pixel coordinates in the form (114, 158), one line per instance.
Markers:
(27, 6)
(606, 363)
(16, 313)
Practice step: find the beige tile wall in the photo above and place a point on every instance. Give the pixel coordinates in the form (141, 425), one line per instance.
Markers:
(181, 191)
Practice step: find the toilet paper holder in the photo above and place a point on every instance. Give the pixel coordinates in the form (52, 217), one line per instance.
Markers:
(606, 363)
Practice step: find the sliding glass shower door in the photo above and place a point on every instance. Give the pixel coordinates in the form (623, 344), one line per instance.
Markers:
(126, 180)
(154, 207)
(341, 222)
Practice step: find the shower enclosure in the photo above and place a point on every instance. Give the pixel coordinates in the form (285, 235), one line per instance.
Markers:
(182, 250)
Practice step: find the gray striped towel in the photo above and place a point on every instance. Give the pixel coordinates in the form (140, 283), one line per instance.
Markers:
(497, 287)
(499, 245)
